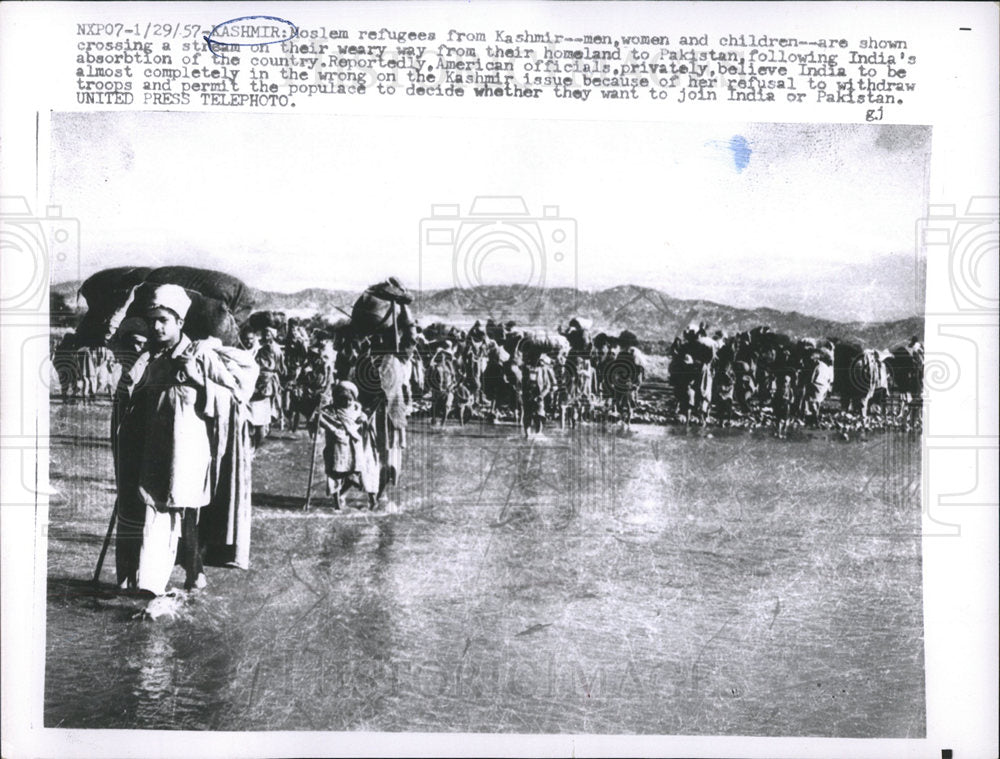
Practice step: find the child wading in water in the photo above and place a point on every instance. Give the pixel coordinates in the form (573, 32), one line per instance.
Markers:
(784, 398)
(349, 455)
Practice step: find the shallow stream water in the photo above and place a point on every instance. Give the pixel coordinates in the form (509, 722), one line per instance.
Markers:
(587, 581)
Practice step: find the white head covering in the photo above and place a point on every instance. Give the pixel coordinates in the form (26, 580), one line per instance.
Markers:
(171, 297)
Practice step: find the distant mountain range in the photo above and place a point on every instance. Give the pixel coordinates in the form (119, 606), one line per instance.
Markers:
(652, 314)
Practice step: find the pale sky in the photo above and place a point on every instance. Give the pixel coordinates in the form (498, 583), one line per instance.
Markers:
(819, 218)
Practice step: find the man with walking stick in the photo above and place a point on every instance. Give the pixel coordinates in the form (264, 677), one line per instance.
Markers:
(169, 442)
(129, 348)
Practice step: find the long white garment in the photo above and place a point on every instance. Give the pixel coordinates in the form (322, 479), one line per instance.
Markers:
(160, 535)
(180, 446)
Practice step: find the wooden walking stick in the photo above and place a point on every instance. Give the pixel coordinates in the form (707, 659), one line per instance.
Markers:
(395, 329)
(107, 542)
(312, 462)
(388, 473)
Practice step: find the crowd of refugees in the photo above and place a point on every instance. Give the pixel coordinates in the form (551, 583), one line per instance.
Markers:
(762, 374)
(356, 391)
(496, 371)
(188, 415)
(83, 373)
(531, 376)
(570, 375)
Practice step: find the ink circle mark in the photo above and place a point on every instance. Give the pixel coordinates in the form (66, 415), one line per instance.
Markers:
(210, 37)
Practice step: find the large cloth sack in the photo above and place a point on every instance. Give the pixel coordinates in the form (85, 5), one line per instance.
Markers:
(437, 331)
(775, 340)
(209, 284)
(578, 334)
(701, 350)
(628, 339)
(107, 286)
(107, 293)
(905, 367)
(372, 313)
(844, 356)
(637, 357)
(260, 320)
(539, 341)
(495, 331)
(219, 302)
(602, 340)
(337, 330)
(512, 340)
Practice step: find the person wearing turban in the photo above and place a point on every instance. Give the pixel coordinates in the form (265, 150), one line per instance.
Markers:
(349, 453)
(165, 452)
(267, 400)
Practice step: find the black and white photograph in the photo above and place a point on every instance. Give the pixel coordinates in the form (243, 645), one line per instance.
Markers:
(463, 444)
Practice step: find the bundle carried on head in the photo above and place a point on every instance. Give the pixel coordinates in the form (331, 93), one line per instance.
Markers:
(107, 294)
(436, 331)
(444, 344)
(476, 332)
(208, 283)
(335, 328)
(372, 314)
(219, 302)
(110, 285)
(537, 342)
(701, 350)
(503, 356)
(637, 356)
(844, 355)
(766, 340)
(495, 331)
(260, 320)
(578, 335)
(603, 340)
(512, 339)
(628, 339)
(391, 289)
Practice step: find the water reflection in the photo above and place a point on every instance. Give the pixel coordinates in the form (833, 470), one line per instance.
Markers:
(372, 601)
(579, 583)
(155, 688)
